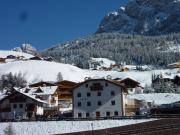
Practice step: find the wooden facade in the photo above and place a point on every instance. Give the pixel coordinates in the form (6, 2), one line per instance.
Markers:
(129, 83)
(174, 65)
(65, 94)
(2, 60)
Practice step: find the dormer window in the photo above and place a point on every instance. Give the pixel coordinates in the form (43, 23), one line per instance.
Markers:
(39, 90)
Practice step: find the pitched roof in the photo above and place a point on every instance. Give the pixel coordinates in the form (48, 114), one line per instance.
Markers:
(42, 83)
(33, 97)
(129, 79)
(110, 81)
(65, 82)
(49, 90)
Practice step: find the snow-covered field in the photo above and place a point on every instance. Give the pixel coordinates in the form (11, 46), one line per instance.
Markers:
(35, 71)
(4, 54)
(59, 127)
(144, 77)
(157, 98)
(104, 62)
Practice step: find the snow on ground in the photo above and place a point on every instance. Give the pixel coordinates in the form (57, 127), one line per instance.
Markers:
(59, 127)
(34, 70)
(104, 62)
(157, 98)
(4, 54)
(142, 77)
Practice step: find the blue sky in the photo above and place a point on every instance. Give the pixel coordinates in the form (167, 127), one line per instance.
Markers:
(44, 23)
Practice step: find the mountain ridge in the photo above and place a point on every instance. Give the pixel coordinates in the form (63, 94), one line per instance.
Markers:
(147, 17)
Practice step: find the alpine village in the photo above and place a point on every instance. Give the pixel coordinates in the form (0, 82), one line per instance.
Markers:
(122, 80)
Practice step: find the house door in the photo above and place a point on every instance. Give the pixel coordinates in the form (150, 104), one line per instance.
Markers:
(30, 109)
(97, 115)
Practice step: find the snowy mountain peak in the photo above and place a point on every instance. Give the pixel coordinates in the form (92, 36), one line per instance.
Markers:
(26, 48)
(149, 17)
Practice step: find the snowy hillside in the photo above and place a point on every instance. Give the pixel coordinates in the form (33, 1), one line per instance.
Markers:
(4, 54)
(34, 71)
(142, 77)
(100, 62)
(157, 98)
(60, 127)
(104, 61)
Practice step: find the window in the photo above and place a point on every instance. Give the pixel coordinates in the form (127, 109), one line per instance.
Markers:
(87, 115)
(99, 103)
(86, 85)
(106, 84)
(79, 95)
(88, 103)
(99, 94)
(88, 94)
(116, 113)
(15, 106)
(79, 115)
(107, 114)
(79, 103)
(113, 102)
(20, 105)
(112, 93)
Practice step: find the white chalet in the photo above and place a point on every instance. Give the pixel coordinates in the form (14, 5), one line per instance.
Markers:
(97, 98)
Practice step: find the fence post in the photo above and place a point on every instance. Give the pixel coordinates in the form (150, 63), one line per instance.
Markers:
(92, 132)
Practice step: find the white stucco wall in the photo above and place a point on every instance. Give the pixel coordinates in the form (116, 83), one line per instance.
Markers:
(105, 99)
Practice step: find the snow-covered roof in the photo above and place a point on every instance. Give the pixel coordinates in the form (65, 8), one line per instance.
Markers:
(32, 96)
(4, 96)
(156, 98)
(49, 90)
(173, 64)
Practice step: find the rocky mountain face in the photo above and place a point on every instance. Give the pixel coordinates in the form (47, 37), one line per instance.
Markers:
(26, 48)
(147, 17)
